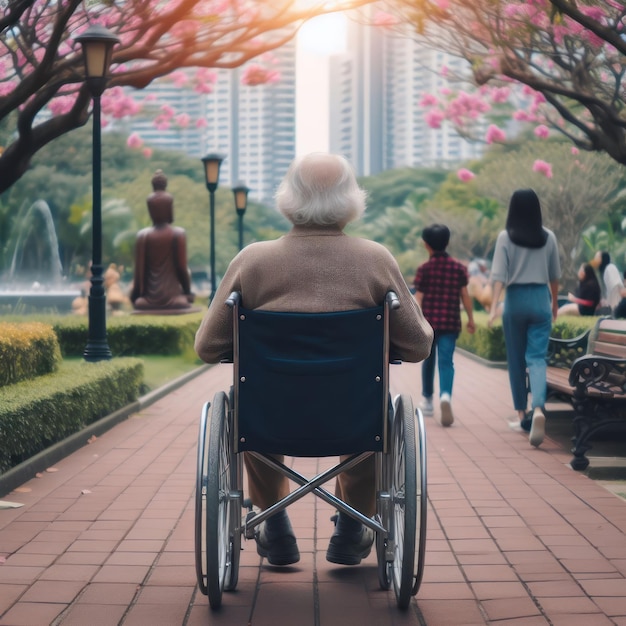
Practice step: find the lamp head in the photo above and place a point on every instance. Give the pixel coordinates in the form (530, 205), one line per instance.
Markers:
(212, 164)
(97, 43)
(240, 191)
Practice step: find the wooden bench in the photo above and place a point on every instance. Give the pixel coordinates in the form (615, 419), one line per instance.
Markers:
(589, 371)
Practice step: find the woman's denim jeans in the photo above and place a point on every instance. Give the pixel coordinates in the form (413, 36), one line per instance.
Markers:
(444, 344)
(527, 323)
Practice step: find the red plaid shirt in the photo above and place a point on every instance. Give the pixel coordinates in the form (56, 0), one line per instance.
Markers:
(441, 279)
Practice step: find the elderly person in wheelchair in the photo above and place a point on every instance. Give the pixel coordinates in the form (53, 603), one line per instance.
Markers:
(315, 268)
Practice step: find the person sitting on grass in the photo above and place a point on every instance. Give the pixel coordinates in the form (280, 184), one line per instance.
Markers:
(588, 293)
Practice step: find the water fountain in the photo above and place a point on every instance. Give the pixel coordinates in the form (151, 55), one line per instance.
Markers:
(34, 281)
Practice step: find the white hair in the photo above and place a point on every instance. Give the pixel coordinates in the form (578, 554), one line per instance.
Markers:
(321, 189)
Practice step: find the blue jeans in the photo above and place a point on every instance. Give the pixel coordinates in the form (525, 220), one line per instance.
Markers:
(444, 344)
(527, 323)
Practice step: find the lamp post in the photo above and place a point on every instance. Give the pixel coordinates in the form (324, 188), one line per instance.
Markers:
(212, 164)
(240, 191)
(97, 43)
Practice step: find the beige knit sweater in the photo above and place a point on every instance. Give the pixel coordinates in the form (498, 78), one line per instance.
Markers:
(315, 269)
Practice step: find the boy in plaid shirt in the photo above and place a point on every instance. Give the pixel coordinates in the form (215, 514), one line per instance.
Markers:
(440, 284)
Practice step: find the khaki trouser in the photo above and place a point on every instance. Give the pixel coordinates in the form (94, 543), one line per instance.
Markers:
(356, 486)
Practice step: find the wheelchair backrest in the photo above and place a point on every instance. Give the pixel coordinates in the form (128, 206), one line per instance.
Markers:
(311, 384)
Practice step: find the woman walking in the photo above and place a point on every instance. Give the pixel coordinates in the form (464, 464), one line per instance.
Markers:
(526, 262)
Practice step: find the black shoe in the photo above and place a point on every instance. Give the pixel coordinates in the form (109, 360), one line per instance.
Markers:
(526, 423)
(276, 541)
(348, 546)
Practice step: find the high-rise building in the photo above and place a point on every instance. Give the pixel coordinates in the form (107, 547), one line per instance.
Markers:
(375, 89)
(411, 71)
(369, 112)
(254, 127)
(356, 100)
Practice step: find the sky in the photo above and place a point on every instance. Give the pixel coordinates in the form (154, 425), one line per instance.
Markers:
(317, 40)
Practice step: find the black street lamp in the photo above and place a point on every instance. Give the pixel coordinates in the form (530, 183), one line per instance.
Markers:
(240, 191)
(212, 164)
(97, 43)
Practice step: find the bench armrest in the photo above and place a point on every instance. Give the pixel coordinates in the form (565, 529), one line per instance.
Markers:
(599, 377)
(563, 352)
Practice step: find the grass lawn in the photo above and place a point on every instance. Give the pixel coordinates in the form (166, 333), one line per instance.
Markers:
(159, 370)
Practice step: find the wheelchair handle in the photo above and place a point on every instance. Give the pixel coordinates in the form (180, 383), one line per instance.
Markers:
(234, 299)
(392, 300)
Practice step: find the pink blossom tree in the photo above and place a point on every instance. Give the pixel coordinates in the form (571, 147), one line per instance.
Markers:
(42, 90)
(568, 54)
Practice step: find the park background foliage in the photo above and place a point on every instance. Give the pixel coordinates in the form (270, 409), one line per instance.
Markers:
(584, 203)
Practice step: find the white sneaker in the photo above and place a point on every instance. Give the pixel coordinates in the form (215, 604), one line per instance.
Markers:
(538, 428)
(445, 404)
(427, 406)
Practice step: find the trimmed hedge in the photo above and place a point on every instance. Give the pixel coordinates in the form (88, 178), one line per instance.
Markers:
(27, 350)
(127, 335)
(488, 343)
(34, 414)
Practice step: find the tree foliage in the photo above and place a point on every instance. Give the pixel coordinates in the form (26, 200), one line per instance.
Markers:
(42, 80)
(569, 53)
(579, 193)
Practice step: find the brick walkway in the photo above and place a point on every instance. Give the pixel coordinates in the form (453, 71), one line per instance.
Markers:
(515, 536)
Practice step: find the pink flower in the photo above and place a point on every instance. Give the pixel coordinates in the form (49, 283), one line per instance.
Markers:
(61, 104)
(201, 123)
(494, 134)
(179, 78)
(203, 88)
(428, 100)
(254, 75)
(434, 118)
(500, 94)
(384, 19)
(147, 152)
(134, 141)
(183, 120)
(542, 131)
(465, 175)
(542, 167)
(575, 150)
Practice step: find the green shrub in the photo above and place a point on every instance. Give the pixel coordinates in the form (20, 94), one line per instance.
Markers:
(570, 327)
(488, 343)
(27, 350)
(128, 335)
(34, 414)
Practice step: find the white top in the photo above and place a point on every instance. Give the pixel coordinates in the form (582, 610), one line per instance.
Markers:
(613, 285)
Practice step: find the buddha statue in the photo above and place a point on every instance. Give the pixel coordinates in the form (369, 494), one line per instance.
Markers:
(162, 281)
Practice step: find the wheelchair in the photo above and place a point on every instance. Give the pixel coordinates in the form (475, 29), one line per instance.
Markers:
(311, 385)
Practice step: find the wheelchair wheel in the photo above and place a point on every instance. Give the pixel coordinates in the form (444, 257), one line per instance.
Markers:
(200, 503)
(230, 584)
(404, 511)
(422, 502)
(220, 511)
(383, 516)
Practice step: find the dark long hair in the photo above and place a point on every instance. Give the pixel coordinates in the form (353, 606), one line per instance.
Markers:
(523, 222)
(590, 283)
